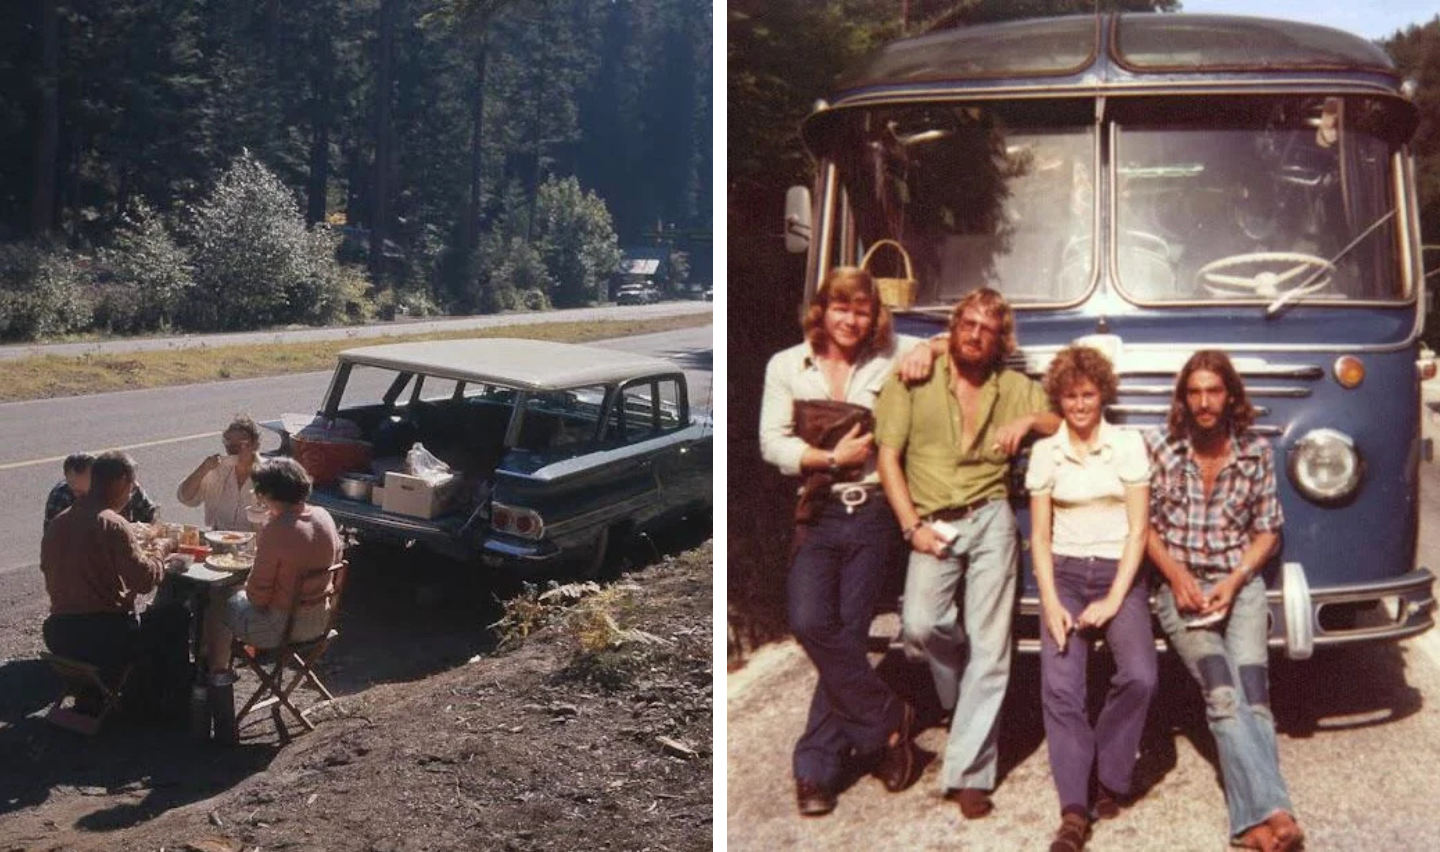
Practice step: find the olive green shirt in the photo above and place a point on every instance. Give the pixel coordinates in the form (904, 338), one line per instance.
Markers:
(923, 422)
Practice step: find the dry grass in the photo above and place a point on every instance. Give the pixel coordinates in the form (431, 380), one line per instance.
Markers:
(47, 376)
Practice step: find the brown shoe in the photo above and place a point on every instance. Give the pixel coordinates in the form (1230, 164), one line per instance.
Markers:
(1289, 836)
(896, 769)
(974, 803)
(813, 800)
(1074, 831)
(1107, 804)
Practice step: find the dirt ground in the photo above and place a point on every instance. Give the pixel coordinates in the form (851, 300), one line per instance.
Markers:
(437, 742)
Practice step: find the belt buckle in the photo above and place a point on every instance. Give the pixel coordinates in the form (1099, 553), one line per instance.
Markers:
(852, 497)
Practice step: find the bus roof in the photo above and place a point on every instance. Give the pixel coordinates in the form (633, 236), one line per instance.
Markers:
(1117, 47)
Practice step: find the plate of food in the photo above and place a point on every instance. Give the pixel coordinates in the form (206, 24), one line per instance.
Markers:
(228, 538)
(229, 562)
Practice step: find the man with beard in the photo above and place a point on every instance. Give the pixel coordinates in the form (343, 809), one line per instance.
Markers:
(1214, 524)
(957, 432)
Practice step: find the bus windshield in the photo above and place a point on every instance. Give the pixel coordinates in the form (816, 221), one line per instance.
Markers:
(1239, 199)
(978, 196)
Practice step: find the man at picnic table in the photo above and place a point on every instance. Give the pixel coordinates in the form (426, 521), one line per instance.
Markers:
(95, 568)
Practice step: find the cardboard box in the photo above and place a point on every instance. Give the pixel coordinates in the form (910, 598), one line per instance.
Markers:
(411, 495)
(377, 496)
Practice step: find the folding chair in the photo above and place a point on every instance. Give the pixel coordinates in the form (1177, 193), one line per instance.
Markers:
(295, 659)
(79, 679)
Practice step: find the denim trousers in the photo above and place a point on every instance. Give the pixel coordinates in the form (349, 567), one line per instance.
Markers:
(1230, 662)
(940, 619)
(1110, 747)
(835, 577)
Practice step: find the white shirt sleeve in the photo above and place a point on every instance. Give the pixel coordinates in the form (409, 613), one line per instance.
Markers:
(207, 486)
(1133, 463)
(778, 444)
(1040, 475)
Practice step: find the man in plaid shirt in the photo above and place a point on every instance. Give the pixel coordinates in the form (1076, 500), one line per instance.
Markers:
(1214, 524)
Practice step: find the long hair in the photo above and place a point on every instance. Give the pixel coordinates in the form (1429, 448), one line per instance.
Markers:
(1078, 363)
(1241, 414)
(992, 304)
(848, 284)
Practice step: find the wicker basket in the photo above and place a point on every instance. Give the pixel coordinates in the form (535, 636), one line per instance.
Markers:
(894, 292)
(325, 461)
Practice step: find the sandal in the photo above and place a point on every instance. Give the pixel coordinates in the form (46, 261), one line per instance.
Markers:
(1289, 836)
(1074, 831)
(1260, 837)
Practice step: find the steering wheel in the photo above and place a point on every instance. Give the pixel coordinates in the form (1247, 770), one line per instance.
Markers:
(1266, 283)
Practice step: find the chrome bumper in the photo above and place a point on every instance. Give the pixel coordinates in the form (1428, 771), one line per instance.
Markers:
(1303, 618)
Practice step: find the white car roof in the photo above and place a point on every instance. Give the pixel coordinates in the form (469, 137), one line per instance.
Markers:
(524, 364)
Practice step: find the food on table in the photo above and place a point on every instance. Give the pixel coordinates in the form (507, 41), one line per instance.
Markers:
(229, 562)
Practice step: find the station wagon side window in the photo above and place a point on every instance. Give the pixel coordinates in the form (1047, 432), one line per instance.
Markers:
(645, 409)
(559, 421)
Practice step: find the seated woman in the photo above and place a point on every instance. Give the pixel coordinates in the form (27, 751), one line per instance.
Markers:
(298, 539)
(1089, 489)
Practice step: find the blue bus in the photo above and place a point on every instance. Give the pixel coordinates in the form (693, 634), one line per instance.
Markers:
(1154, 184)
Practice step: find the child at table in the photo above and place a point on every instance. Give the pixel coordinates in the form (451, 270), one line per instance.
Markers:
(138, 509)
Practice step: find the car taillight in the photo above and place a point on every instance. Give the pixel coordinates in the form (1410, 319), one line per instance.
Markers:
(514, 520)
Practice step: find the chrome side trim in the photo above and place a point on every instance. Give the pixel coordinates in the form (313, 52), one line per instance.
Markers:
(1250, 390)
(1161, 410)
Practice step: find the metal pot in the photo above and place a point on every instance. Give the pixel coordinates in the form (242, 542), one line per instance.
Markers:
(356, 486)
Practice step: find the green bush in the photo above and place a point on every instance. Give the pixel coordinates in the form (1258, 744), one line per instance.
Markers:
(255, 263)
(44, 292)
(148, 275)
(576, 239)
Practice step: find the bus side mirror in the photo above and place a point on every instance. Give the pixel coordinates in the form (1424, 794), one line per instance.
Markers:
(797, 219)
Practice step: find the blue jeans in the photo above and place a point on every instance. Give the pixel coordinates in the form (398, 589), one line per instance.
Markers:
(835, 578)
(1230, 662)
(986, 559)
(1111, 746)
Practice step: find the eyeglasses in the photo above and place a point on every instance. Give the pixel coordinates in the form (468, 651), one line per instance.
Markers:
(970, 326)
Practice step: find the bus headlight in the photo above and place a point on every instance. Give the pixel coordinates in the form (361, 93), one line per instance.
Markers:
(1325, 466)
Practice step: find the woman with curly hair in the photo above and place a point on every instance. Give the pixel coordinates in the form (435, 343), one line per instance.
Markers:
(1089, 489)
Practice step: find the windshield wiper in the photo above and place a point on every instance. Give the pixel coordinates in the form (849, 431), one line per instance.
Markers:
(1299, 292)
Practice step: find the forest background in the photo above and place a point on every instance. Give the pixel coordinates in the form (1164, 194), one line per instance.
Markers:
(782, 56)
(188, 165)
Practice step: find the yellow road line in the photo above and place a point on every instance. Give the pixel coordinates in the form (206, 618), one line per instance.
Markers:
(162, 441)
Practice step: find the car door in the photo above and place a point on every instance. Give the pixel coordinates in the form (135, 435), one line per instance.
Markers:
(657, 421)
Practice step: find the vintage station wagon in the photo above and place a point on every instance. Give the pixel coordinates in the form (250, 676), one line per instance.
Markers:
(562, 455)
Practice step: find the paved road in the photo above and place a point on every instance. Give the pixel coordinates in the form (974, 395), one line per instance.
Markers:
(168, 431)
(388, 329)
(1360, 743)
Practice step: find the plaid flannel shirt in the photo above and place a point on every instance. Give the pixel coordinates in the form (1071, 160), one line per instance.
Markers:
(140, 508)
(1210, 536)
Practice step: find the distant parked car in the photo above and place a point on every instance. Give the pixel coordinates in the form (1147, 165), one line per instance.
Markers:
(637, 294)
(563, 455)
(709, 294)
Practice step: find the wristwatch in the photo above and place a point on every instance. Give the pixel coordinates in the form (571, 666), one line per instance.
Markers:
(909, 532)
(834, 464)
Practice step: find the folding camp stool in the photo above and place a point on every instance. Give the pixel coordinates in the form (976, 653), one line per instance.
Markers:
(78, 678)
(283, 669)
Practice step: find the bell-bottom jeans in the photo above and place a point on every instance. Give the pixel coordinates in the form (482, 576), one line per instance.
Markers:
(1111, 746)
(835, 577)
(1230, 662)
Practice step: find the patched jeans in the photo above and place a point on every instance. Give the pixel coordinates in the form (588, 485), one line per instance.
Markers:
(1229, 660)
(938, 626)
(835, 579)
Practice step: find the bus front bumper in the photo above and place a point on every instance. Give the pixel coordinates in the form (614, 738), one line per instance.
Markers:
(1303, 618)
